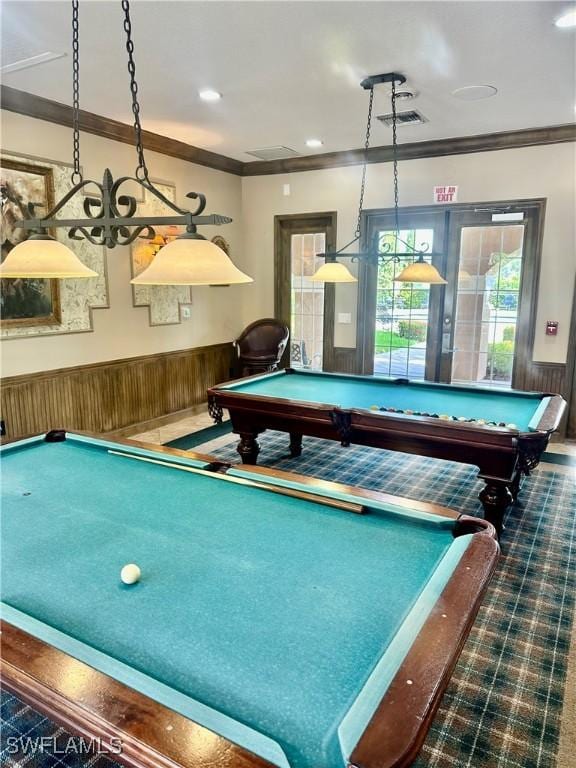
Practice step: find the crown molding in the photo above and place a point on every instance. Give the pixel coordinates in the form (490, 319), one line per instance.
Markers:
(461, 145)
(52, 111)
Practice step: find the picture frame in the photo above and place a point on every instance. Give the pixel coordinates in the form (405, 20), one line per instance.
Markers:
(25, 301)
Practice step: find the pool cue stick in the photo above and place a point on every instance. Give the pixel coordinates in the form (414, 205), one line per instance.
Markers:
(347, 506)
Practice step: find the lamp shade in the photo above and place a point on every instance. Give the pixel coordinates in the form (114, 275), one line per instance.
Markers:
(420, 272)
(41, 256)
(191, 260)
(333, 272)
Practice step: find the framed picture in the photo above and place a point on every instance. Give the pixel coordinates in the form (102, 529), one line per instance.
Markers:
(25, 301)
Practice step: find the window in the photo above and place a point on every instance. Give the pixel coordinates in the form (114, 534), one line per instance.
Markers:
(487, 304)
(478, 328)
(307, 301)
(401, 311)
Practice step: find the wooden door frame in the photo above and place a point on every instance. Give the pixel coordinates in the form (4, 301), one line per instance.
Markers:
(286, 225)
(570, 380)
(368, 275)
(535, 210)
(533, 221)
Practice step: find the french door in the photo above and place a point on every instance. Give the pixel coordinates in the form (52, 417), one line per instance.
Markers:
(305, 306)
(398, 320)
(478, 329)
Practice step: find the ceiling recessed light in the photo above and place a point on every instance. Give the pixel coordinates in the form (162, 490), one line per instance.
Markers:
(567, 19)
(314, 143)
(208, 94)
(475, 92)
(406, 94)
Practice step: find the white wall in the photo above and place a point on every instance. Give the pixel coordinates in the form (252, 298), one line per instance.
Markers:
(219, 314)
(533, 172)
(123, 330)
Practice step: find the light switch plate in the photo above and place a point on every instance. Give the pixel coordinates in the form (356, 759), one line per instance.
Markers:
(344, 318)
(185, 313)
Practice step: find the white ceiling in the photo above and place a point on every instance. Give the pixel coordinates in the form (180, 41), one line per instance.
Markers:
(291, 70)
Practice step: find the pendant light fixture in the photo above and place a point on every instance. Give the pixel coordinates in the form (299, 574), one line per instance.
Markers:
(110, 219)
(333, 272)
(420, 271)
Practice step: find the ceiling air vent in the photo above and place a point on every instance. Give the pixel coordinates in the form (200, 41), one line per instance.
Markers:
(273, 153)
(413, 117)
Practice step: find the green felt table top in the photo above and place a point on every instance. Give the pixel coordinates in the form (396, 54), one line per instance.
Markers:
(507, 406)
(273, 610)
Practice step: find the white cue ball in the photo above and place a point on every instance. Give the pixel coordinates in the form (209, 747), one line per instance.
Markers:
(130, 574)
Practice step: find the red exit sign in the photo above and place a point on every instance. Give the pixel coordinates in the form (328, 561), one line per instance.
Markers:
(445, 194)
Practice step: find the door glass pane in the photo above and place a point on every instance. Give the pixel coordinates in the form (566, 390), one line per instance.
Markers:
(307, 301)
(487, 304)
(401, 310)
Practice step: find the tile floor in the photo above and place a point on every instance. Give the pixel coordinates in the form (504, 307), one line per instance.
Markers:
(568, 447)
(168, 432)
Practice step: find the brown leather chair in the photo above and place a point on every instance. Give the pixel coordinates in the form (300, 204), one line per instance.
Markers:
(260, 346)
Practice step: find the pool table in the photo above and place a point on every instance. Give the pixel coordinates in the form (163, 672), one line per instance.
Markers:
(279, 620)
(502, 432)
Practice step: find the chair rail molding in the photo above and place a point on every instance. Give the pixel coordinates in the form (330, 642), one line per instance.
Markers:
(107, 396)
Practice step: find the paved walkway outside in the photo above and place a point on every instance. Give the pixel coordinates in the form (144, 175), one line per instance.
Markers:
(409, 362)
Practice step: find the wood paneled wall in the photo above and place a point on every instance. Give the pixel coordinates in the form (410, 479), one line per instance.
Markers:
(107, 396)
(344, 361)
(548, 377)
(545, 377)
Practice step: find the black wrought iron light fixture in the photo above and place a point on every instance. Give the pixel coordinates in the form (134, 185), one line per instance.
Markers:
(111, 215)
(420, 271)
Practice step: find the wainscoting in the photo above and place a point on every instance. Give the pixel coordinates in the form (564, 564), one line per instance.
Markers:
(548, 377)
(108, 396)
(545, 377)
(341, 360)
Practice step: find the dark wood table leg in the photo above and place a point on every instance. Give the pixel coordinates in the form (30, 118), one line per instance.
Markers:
(215, 410)
(248, 447)
(495, 498)
(516, 484)
(295, 444)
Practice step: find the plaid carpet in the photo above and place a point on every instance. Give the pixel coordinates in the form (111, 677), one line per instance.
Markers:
(30, 740)
(503, 706)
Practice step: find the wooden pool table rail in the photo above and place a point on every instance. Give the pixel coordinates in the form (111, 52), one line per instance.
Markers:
(503, 455)
(405, 714)
(127, 441)
(94, 705)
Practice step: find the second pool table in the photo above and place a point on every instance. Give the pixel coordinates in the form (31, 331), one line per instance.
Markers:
(279, 621)
(502, 432)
